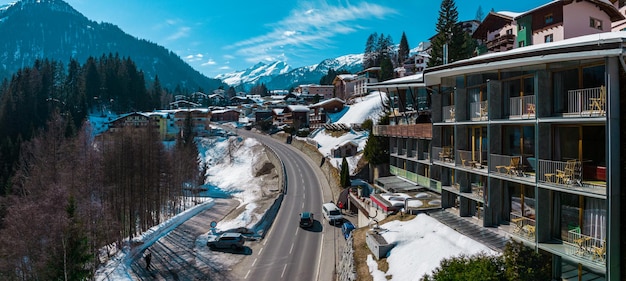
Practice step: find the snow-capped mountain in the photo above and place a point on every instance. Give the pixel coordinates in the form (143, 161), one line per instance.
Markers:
(259, 73)
(279, 75)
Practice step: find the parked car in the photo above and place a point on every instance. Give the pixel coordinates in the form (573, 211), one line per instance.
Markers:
(332, 213)
(306, 219)
(230, 240)
(346, 228)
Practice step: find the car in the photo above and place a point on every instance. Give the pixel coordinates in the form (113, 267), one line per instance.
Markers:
(306, 219)
(332, 213)
(346, 228)
(227, 240)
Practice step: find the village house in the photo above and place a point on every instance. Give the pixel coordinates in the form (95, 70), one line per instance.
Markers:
(344, 85)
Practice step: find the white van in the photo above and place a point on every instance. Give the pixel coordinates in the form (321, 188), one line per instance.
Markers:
(332, 213)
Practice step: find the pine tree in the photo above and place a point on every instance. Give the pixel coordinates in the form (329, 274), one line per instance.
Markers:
(448, 32)
(386, 69)
(479, 13)
(370, 54)
(403, 49)
(344, 175)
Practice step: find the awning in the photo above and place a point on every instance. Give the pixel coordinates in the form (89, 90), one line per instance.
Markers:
(397, 184)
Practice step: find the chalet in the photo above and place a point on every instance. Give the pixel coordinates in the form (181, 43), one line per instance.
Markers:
(317, 116)
(225, 115)
(364, 78)
(200, 119)
(497, 31)
(344, 149)
(344, 85)
(135, 120)
(183, 104)
(297, 116)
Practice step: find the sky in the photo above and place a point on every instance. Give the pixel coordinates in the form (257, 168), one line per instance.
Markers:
(218, 37)
(435, 240)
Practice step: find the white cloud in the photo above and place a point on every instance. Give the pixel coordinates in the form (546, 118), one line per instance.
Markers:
(209, 62)
(182, 32)
(312, 25)
(194, 58)
(226, 67)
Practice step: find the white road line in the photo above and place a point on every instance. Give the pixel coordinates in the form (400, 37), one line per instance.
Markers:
(319, 260)
(254, 262)
(291, 249)
(302, 205)
(283, 274)
(260, 251)
(297, 231)
(246, 277)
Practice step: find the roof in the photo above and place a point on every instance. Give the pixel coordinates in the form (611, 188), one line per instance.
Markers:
(604, 5)
(415, 80)
(327, 101)
(350, 142)
(298, 108)
(492, 22)
(583, 47)
(223, 111)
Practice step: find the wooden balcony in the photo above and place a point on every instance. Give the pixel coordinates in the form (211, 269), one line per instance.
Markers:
(420, 131)
(503, 42)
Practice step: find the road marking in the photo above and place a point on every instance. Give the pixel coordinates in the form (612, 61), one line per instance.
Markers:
(283, 274)
(254, 262)
(319, 259)
(260, 251)
(297, 231)
(246, 277)
(302, 205)
(291, 249)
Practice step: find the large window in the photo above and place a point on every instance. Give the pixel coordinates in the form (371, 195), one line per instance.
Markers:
(582, 77)
(479, 144)
(575, 211)
(519, 140)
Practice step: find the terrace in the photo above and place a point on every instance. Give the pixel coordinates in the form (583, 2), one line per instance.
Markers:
(590, 102)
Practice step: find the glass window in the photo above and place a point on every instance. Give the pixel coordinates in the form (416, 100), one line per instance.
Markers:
(549, 19)
(593, 76)
(595, 23)
(564, 81)
(548, 38)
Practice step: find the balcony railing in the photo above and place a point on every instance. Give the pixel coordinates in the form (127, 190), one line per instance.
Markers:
(425, 156)
(501, 42)
(522, 107)
(523, 226)
(449, 113)
(422, 130)
(394, 150)
(585, 246)
(506, 165)
(443, 154)
(559, 172)
(479, 110)
(464, 158)
(586, 102)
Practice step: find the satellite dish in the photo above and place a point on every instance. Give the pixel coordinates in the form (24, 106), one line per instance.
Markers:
(213, 224)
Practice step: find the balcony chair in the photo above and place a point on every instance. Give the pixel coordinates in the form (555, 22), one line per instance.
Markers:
(566, 176)
(530, 109)
(513, 168)
(452, 114)
(598, 103)
(600, 252)
(445, 154)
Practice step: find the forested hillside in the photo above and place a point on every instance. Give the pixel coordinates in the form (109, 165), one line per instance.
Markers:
(65, 194)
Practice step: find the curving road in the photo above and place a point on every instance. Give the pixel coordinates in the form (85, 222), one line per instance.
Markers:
(289, 252)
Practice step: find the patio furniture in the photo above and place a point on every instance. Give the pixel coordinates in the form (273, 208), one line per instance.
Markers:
(445, 154)
(530, 109)
(518, 224)
(529, 230)
(566, 176)
(597, 103)
(600, 252)
(513, 168)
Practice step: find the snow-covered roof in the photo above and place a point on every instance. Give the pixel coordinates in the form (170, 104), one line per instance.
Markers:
(298, 108)
(583, 47)
(278, 111)
(327, 101)
(510, 14)
(223, 111)
(604, 5)
(415, 80)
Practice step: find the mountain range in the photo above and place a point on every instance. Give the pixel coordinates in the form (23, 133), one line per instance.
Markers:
(52, 29)
(279, 75)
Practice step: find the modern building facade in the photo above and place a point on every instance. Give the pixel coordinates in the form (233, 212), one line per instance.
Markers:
(528, 141)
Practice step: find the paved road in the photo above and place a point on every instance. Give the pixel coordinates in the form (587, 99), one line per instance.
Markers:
(174, 256)
(289, 252)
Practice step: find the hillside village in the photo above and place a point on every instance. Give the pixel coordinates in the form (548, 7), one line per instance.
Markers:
(513, 141)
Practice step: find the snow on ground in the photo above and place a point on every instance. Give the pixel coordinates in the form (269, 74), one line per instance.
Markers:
(367, 107)
(420, 245)
(231, 178)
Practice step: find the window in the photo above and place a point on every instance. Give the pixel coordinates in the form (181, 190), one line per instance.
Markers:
(521, 27)
(595, 23)
(549, 19)
(509, 31)
(548, 38)
(521, 44)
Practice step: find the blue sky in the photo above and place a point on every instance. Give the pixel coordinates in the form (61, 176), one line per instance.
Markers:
(222, 36)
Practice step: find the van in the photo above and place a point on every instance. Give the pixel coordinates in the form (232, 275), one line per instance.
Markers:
(332, 213)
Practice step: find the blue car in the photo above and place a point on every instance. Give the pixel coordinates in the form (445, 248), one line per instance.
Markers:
(346, 228)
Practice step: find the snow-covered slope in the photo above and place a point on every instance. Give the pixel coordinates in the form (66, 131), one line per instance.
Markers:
(259, 73)
(278, 75)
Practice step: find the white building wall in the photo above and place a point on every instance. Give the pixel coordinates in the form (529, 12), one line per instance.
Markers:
(576, 18)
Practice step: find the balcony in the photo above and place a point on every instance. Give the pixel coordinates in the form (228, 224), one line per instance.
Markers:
(522, 107)
(585, 247)
(523, 227)
(468, 159)
(443, 154)
(501, 43)
(589, 102)
(479, 111)
(420, 131)
(569, 175)
(448, 113)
